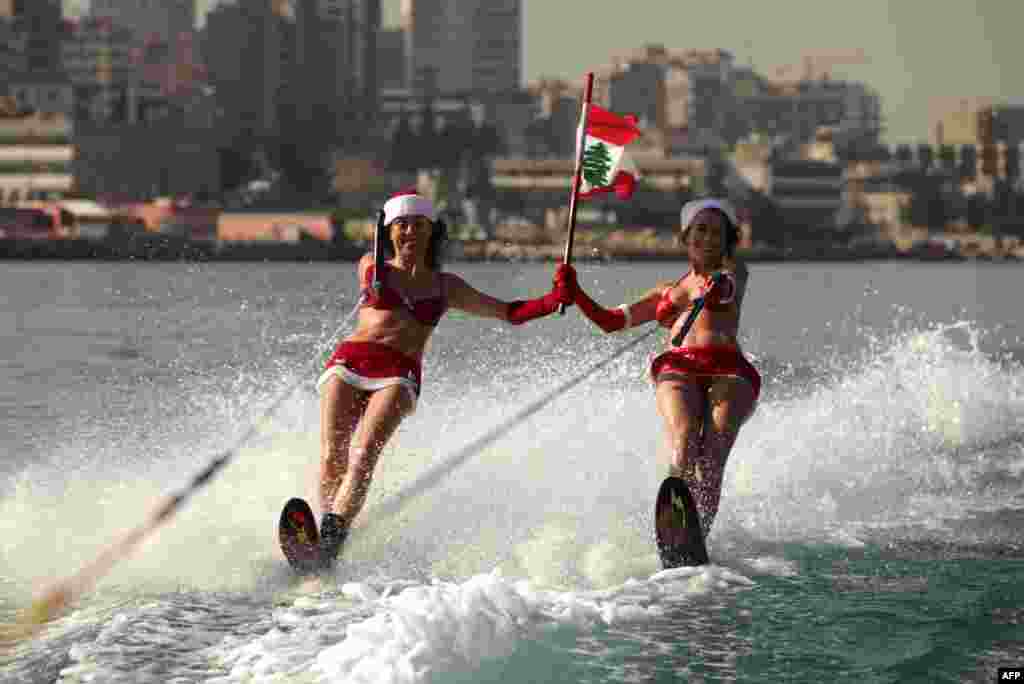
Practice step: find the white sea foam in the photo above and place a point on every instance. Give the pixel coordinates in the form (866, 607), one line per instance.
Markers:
(442, 626)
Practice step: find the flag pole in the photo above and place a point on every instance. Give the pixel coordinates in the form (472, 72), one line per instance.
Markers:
(577, 179)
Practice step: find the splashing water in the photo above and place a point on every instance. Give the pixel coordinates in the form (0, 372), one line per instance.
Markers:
(885, 441)
(548, 529)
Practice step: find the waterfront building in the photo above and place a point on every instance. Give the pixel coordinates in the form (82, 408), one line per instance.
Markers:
(98, 60)
(391, 60)
(691, 101)
(13, 56)
(336, 62)
(43, 92)
(463, 46)
(30, 59)
(684, 97)
(36, 154)
(250, 51)
(151, 21)
(682, 93)
(639, 88)
(511, 112)
(175, 154)
(989, 131)
(551, 134)
(957, 120)
(809, 187)
(529, 186)
(117, 80)
(797, 112)
(497, 46)
(808, 192)
(42, 22)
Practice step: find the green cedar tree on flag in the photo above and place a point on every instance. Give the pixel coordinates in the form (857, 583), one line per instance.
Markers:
(606, 164)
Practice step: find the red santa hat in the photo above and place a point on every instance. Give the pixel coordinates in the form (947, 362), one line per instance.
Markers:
(408, 203)
(694, 207)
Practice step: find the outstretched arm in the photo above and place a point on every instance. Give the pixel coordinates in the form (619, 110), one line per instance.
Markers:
(621, 317)
(463, 296)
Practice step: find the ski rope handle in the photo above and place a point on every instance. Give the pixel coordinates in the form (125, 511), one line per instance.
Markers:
(698, 306)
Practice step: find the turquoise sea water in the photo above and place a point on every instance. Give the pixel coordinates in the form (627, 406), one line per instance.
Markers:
(869, 529)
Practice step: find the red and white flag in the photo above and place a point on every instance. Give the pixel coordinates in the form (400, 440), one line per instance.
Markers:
(606, 164)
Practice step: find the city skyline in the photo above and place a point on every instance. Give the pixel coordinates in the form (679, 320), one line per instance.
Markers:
(919, 51)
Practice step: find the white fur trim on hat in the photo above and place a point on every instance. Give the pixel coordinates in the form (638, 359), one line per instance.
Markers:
(694, 207)
(408, 205)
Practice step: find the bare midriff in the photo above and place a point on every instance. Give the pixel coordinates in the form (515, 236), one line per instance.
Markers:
(395, 328)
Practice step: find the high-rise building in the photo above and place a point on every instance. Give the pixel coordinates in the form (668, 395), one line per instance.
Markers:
(98, 62)
(682, 93)
(249, 52)
(391, 60)
(463, 46)
(326, 49)
(43, 22)
(150, 20)
(497, 45)
(370, 30)
(317, 81)
(424, 24)
(13, 61)
(336, 44)
(640, 90)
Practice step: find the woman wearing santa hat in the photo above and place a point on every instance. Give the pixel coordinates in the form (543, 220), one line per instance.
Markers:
(705, 388)
(372, 380)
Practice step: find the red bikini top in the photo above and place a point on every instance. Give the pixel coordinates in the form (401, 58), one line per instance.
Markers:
(668, 311)
(426, 310)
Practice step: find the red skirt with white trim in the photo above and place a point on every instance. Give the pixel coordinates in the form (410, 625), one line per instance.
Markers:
(708, 361)
(372, 366)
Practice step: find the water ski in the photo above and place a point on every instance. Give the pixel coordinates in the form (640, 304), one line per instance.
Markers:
(296, 531)
(677, 526)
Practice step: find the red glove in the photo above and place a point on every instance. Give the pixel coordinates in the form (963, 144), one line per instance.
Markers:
(562, 292)
(609, 320)
(566, 286)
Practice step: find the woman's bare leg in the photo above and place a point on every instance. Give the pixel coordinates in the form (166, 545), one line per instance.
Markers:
(730, 402)
(384, 411)
(681, 405)
(341, 407)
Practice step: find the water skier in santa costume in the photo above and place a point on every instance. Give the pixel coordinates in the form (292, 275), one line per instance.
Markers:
(372, 380)
(703, 382)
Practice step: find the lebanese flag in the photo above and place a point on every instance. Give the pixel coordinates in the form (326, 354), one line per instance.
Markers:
(606, 165)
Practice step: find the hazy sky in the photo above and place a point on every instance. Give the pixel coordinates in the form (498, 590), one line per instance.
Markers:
(919, 49)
